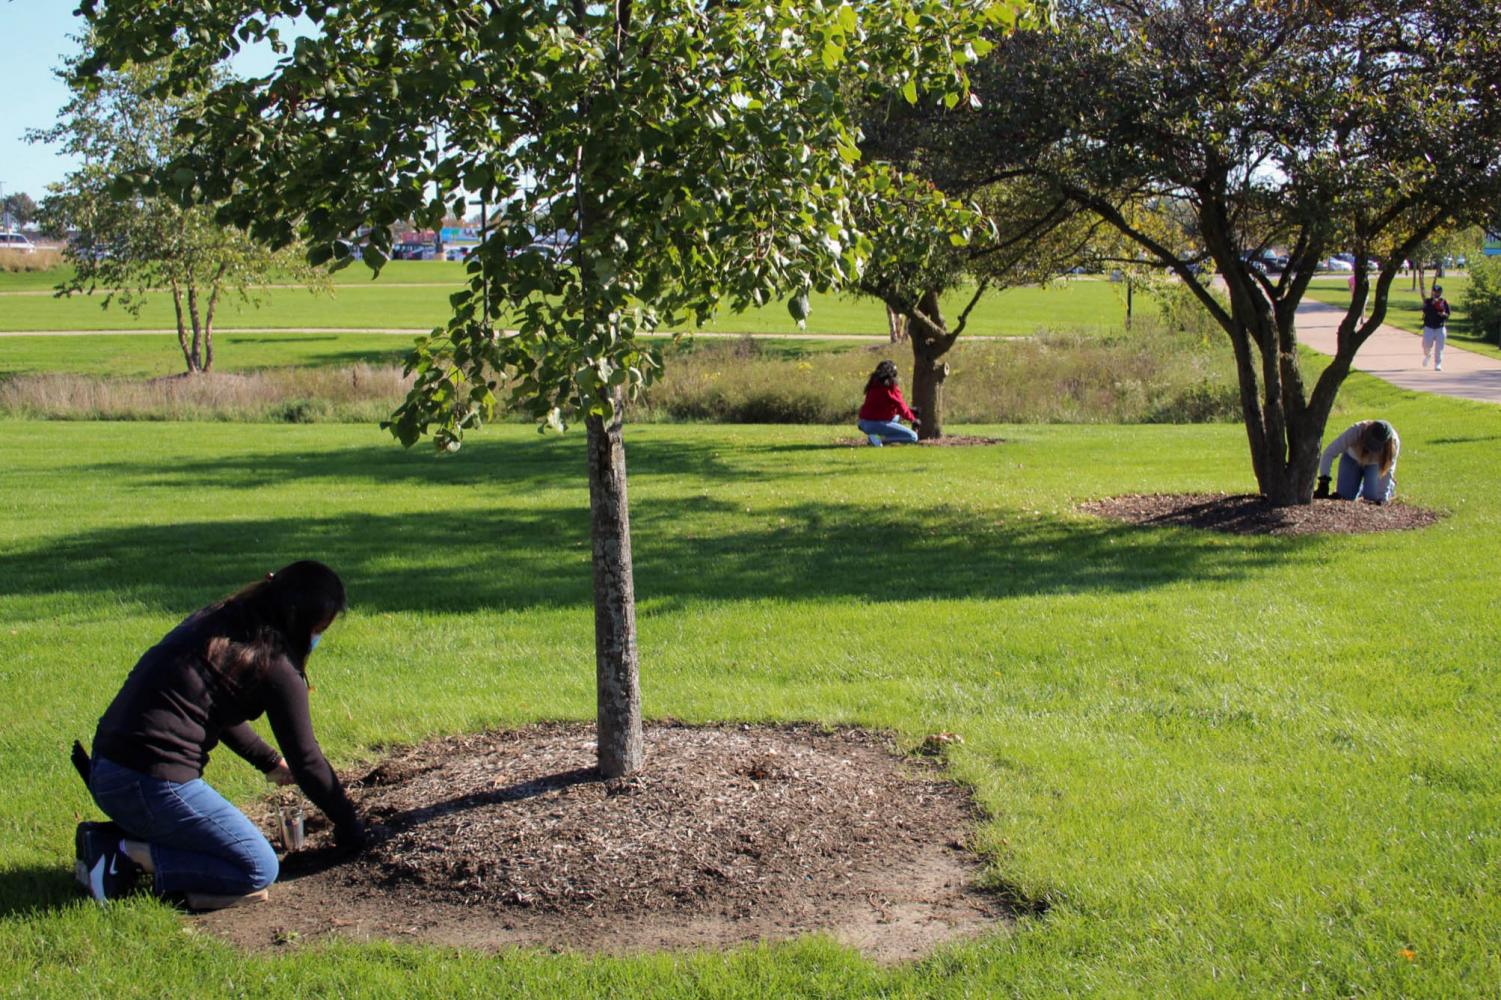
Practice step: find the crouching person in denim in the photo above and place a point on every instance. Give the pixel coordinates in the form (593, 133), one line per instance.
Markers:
(221, 667)
(1367, 453)
(883, 406)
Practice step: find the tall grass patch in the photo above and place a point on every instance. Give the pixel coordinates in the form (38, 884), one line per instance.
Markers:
(1150, 375)
(16, 262)
(353, 394)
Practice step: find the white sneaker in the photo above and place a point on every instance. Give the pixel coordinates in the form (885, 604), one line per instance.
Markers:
(1438, 368)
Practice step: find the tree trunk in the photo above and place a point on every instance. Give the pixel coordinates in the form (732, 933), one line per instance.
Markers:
(928, 374)
(197, 327)
(896, 325)
(1283, 429)
(931, 340)
(182, 329)
(208, 328)
(616, 666)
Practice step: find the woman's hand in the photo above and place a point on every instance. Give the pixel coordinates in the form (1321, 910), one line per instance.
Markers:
(281, 774)
(353, 838)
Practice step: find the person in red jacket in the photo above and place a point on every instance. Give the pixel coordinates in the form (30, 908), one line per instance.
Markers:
(883, 405)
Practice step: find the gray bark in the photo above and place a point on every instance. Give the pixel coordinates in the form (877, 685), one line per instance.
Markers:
(182, 328)
(616, 665)
(896, 324)
(931, 340)
(197, 360)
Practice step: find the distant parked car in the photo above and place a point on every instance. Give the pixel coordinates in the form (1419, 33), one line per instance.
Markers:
(457, 253)
(89, 251)
(1335, 264)
(413, 251)
(16, 243)
(552, 251)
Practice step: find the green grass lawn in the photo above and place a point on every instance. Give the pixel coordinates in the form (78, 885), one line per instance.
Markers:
(407, 272)
(414, 295)
(151, 355)
(1230, 766)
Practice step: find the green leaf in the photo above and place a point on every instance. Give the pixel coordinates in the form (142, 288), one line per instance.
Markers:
(909, 91)
(798, 307)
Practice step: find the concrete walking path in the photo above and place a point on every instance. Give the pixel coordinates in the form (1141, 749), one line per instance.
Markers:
(1396, 356)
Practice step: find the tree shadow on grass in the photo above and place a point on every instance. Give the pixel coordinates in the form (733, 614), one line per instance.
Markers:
(685, 550)
(329, 354)
(1466, 440)
(545, 461)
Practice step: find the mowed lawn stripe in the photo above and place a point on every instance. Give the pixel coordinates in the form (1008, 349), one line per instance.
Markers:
(404, 303)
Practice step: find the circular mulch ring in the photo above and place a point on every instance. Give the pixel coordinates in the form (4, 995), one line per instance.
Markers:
(1243, 514)
(730, 834)
(947, 441)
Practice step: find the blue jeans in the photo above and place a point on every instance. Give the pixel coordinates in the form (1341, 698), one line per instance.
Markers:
(1365, 481)
(199, 842)
(887, 432)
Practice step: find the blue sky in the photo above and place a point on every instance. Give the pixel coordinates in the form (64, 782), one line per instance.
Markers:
(33, 43)
(35, 34)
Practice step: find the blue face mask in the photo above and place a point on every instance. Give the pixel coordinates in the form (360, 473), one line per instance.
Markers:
(313, 643)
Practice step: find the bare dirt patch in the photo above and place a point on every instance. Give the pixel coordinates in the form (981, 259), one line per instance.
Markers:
(731, 834)
(1243, 514)
(947, 441)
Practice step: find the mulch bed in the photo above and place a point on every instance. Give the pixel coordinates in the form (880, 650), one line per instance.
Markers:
(1242, 514)
(947, 441)
(729, 834)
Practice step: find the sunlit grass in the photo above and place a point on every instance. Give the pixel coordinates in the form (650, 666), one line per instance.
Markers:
(1231, 766)
(415, 296)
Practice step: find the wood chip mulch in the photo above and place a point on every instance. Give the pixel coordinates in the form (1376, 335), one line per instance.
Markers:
(1242, 514)
(729, 834)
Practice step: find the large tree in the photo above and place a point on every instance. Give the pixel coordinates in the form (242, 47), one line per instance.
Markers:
(1315, 127)
(696, 153)
(134, 244)
(927, 245)
(17, 209)
(947, 222)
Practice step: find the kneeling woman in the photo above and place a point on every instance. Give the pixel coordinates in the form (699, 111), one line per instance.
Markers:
(224, 665)
(883, 405)
(1367, 453)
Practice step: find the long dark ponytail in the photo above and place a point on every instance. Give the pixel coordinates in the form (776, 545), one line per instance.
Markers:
(273, 616)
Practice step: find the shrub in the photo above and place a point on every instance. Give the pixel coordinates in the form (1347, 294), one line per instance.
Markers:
(1483, 299)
